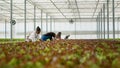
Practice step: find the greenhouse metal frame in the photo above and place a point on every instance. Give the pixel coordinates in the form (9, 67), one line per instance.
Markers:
(100, 11)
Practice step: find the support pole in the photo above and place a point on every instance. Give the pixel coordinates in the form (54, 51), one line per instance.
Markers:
(41, 22)
(34, 17)
(108, 19)
(75, 28)
(25, 19)
(50, 23)
(104, 18)
(5, 29)
(54, 24)
(46, 22)
(11, 18)
(99, 25)
(118, 27)
(113, 10)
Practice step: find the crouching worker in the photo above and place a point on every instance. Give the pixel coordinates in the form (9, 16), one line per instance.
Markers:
(58, 36)
(66, 37)
(34, 36)
(48, 36)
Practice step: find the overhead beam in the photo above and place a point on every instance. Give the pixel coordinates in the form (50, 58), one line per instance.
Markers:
(95, 9)
(58, 8)
(77, 8)
(17, 7)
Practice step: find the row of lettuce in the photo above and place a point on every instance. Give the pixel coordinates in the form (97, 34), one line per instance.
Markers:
(61, 54)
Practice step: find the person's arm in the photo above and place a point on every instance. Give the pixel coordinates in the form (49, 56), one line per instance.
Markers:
(32, 36)
(27, 38)
(53, 38)
(38, 37)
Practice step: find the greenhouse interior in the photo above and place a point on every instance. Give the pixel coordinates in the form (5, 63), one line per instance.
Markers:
(59, 33)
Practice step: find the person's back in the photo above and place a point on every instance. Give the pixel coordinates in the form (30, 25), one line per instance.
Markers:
(49, 35)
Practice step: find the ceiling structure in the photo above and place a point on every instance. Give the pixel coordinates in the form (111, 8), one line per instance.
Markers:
(60, 10)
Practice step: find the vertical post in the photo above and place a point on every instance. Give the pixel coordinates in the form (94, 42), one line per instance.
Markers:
(34, 17)
(54, 25)
(96, 28)
(41, 22)
(108, 19)
(11, 16)
(46, 22)
(113, 10)
(5, 29)
(118, 27)
(99, 25)
(104, 18)
(25, 19)
(75, 28)
(50, 23)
